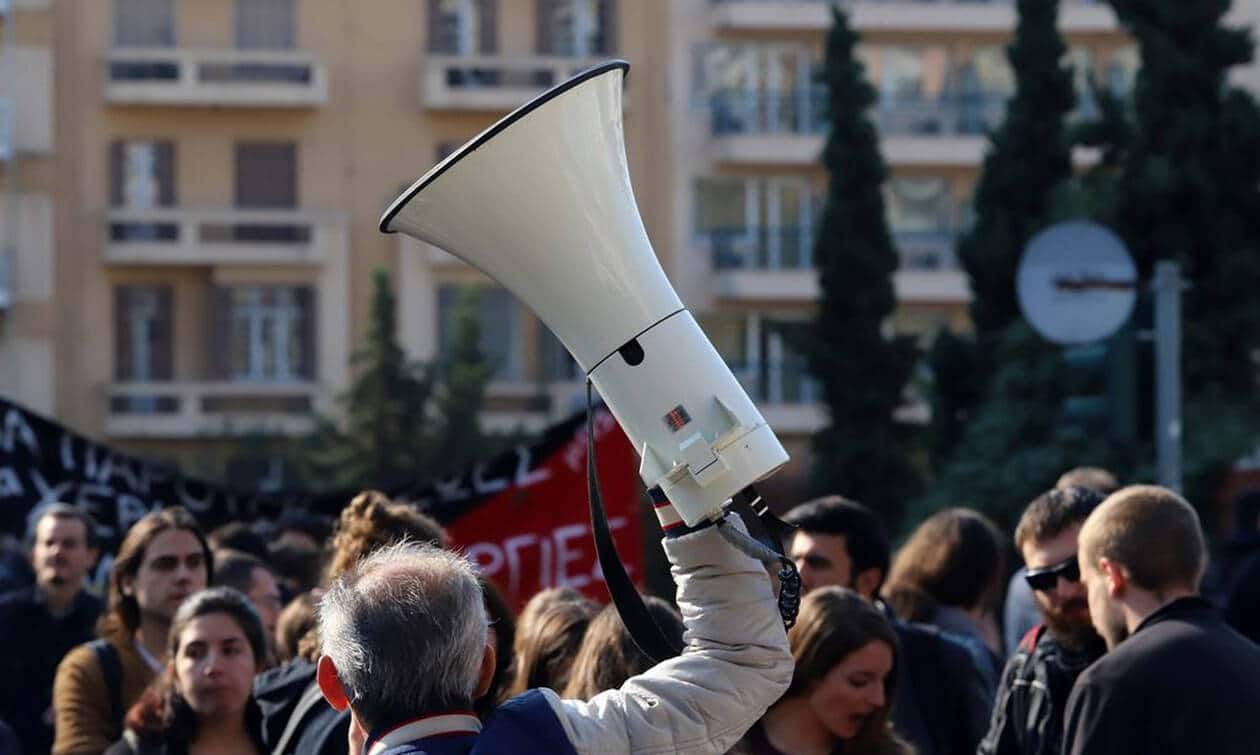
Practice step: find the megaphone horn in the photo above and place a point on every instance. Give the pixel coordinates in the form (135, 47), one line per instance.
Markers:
(541, 202)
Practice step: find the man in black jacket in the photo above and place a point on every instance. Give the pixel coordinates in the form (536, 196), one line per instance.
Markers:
(941, 704)
(1028, 717)
(1177, 679)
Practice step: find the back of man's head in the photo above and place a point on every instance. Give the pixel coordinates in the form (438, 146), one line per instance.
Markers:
(1053, 512)
(863, 532)
(1150, 531)
(406, 630)
(1094, 478)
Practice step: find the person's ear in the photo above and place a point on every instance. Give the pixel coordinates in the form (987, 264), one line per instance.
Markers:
(330, 684)
(1117, 578)
(867, 582)
(485, 675)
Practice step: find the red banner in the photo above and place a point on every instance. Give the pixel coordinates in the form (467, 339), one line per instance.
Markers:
(536, 533)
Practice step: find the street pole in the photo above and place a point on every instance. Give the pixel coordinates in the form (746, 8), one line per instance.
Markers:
(1167, 287)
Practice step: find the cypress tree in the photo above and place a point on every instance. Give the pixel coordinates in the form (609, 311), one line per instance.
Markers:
(863, 452)
(387, 436)
(465, 373)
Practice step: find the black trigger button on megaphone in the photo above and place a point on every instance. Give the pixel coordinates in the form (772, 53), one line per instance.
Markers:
(632, 352)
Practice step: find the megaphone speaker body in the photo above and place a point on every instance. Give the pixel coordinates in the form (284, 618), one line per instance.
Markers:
(541, 202)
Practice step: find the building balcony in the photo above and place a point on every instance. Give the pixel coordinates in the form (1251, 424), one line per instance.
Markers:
(215, 78)
(180, 409)
(775, 265)
(1075, 16)
(790, 129)
(786, 395)
(191, 236)
(492, 83)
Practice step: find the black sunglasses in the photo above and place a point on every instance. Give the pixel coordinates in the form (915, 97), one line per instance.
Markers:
(1045, 580)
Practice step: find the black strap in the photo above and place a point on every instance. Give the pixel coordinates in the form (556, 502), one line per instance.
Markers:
(111, 670)
(643, 629)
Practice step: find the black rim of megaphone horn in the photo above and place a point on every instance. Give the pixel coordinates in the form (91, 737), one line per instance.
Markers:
(490, 133)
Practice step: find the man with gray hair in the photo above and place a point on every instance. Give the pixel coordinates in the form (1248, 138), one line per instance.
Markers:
(1176, 680)
(406, 649)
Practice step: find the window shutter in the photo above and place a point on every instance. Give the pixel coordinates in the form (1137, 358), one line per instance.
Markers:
(545, 16)
(163, 335)
(117, 169)
(266, 174)
(164, 154)
(220, 340)
(305, 296)
(122, 333)
(489, 31)
(607, 27)
(435, 27)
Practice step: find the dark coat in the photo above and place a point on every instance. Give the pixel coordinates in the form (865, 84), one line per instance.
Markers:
(322, 730)
(1028, 716)
(32, 643)
(1185, 683)
(941, 704)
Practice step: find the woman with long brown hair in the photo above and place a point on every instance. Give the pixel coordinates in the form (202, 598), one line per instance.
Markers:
(202, 702)
(548, 635)
(842, 688)
(608, 656)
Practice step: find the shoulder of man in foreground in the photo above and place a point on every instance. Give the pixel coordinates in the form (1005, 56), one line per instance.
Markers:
(736, 663)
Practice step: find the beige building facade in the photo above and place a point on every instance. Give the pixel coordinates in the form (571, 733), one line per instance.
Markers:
(198, 184)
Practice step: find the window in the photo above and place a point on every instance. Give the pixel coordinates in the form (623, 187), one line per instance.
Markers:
(142, 332)
(266, 174)
(766, 223)
(266, 25)
(576, 28)
(264, 333)
(142, 344)
(554, 361)
(756, 88)
(921, 217)
(499, 315)
(144, 23)
(463, 27)
(1122, 70)
(142, 177)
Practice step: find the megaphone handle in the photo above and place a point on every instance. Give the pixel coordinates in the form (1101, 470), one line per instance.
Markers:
(643, 629)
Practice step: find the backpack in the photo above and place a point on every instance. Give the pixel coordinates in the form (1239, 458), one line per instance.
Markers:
(111, 670)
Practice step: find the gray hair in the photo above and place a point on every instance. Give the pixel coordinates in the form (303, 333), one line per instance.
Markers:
(406, 628)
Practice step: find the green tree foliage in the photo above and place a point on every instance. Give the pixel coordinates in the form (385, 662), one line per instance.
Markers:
(1188, 191)
(387, 436)
(863, 452)
(465, 372)
(1029, 156)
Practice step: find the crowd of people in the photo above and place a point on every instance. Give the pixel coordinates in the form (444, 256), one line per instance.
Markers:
(371, 634)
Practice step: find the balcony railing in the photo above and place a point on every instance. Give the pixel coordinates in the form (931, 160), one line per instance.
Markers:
(492, 82)
(180, 409)
(784, 382)
(190, 236)
(8, 129)
(805, 112)
(244, 78)
(791, 248)
(764, 248)
(6, 297)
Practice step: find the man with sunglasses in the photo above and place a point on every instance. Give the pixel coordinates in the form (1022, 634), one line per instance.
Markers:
(1028, 716)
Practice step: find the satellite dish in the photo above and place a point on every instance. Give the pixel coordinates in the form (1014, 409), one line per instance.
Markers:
(1076, 283)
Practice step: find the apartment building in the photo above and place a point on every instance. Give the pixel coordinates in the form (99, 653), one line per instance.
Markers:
(29, 305)
(204, 221)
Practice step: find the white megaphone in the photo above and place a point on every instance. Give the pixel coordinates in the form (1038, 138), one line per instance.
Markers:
(541, 202)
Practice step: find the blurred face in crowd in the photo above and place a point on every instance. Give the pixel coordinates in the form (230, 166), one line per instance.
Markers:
(214, 666)
(264, 593)
(1065, 606)
(853, 690)
(1104, 611)
(821, 560)
(173, 568)
(61, 555)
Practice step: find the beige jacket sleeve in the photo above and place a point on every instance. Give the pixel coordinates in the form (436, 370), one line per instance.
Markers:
(736, 663)
(81, 706)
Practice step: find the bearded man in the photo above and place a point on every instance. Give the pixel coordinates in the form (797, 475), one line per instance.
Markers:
(1028, 716)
